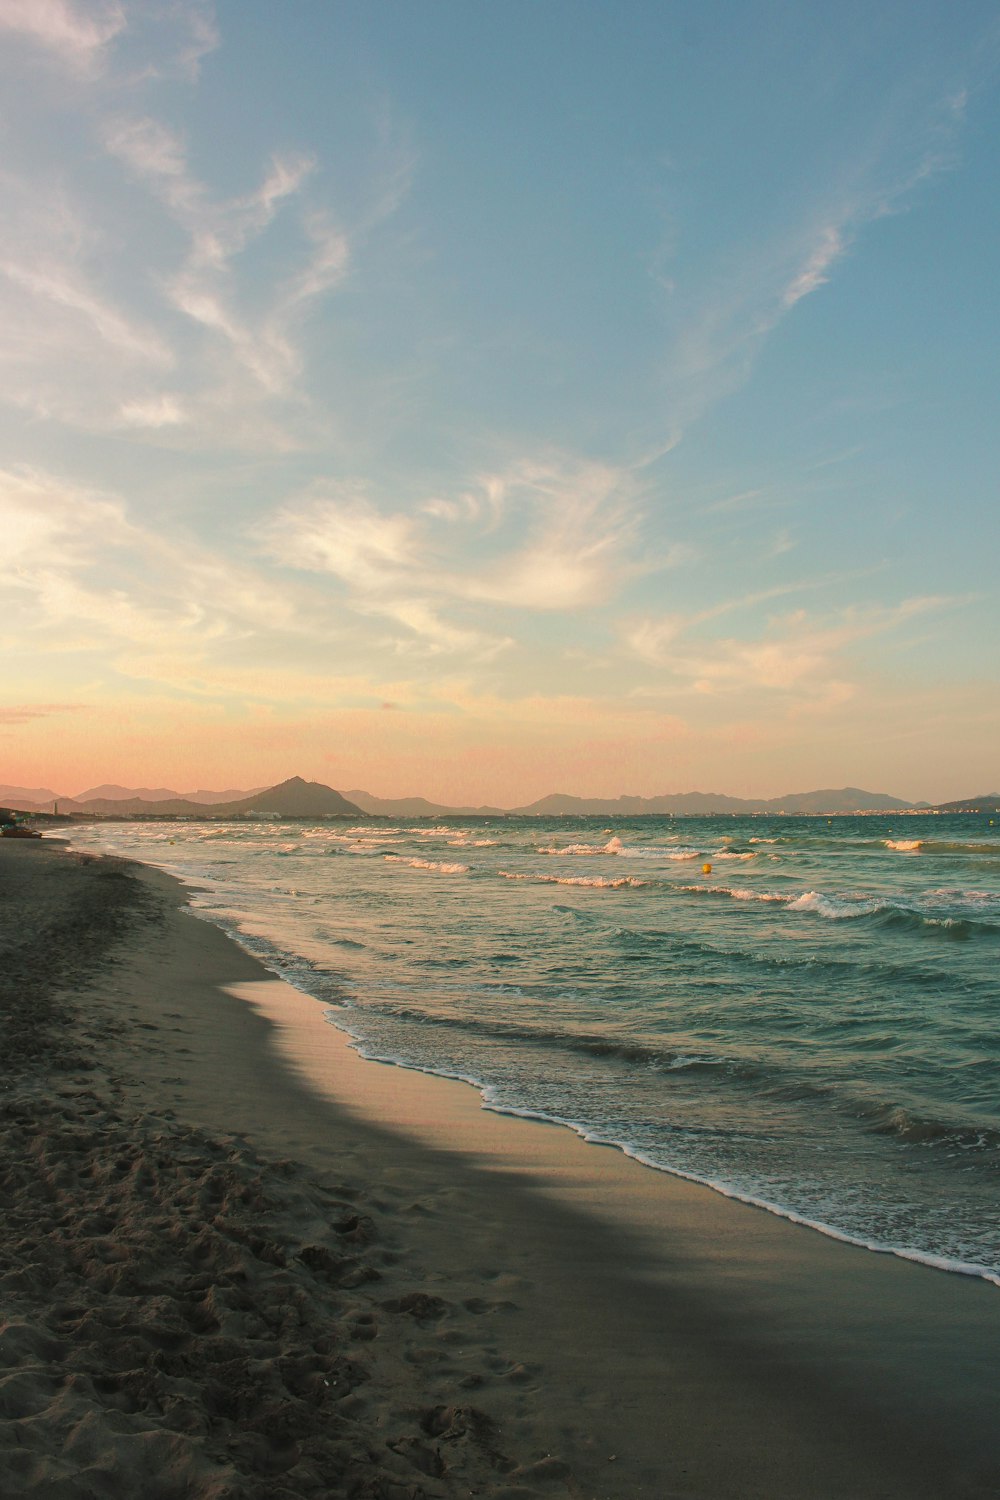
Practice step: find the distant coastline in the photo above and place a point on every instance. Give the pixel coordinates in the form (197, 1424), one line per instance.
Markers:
(297, 798)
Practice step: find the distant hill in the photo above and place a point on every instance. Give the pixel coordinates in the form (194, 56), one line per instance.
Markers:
(848, 799)
(294, 798)
(691, 804)
(31, 796)
(988, 804)
(111, 793)
(297, 798)
(417, 807)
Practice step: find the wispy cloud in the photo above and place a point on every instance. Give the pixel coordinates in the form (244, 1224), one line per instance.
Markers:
(83, 575)
(204, 289)
(76, 34)
(153, 303)
(736, 302)
(799, 656)
(26, 713)
(541, 536)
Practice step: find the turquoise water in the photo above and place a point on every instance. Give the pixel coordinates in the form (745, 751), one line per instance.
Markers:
(812, 1025)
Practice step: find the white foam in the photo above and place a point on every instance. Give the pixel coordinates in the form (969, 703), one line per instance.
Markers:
(596, 1137)
(441, 867)
(597, 882)
(738, 893)
(613, 846)
(836, 908)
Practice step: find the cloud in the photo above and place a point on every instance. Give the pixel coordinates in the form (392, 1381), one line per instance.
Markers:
(798, 656)
(76, 34)
(734, 303)
(72, 350)
(26, 713)
(154, 411)
(82, 575)
(545, 536)
(41, 517)
(65, 295)
(144, 299)
(218, 232)
(829, 245)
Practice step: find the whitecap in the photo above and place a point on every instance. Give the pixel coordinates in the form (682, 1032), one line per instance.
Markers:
(441, 867)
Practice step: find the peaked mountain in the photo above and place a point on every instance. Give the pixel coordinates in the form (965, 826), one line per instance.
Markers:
(290, 799)
(294, 798)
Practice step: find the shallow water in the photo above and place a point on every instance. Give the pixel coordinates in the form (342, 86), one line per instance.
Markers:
(811, 1024)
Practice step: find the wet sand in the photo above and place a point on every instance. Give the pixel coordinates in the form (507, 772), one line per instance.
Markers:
(238, 1261)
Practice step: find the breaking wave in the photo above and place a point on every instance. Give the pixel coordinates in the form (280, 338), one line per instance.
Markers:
(441, 867)
(598, 882)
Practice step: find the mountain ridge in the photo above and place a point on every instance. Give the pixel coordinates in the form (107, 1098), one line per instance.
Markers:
(296, 797)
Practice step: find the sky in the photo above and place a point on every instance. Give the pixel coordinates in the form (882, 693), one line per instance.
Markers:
(478, 400)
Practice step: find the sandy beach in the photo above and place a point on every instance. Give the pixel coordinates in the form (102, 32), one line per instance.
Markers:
(236, 1260)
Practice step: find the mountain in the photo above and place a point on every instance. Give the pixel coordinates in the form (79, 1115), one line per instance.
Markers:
(297, 798)
(558, 804)
(290, 799)
(692, 804)
(294, 798)
(33, 796)
(135, 807)
(847, 800)
(417, 807)
(112, 793)
(988, 804)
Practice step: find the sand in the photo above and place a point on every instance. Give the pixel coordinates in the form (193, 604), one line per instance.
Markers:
(238, 1261)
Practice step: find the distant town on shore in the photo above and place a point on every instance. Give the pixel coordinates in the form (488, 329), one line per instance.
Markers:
(297, 798)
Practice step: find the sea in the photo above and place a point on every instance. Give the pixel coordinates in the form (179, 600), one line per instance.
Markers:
(800, 1012)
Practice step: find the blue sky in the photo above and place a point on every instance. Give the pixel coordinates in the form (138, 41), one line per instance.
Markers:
(482, 400)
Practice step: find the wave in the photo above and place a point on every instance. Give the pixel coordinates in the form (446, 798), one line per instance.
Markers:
(948, 846)
(905, 846)
(590, 1044)
(441, 867)
(923, 1130)
(814, 963)
(613, 846)
(737, 893)
(749, 1193)
(598, 882)
(971, 912)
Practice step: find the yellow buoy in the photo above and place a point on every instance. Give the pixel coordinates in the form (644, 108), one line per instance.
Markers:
(706, 869)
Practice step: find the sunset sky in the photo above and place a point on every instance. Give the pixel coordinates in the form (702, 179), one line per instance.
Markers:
(485, 398)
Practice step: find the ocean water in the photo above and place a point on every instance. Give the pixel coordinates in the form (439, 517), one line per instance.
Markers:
(811, 1024)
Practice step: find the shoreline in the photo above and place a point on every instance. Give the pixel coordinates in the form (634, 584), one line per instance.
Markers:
(272, 961)
(918, 1257)
(629, 1334)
